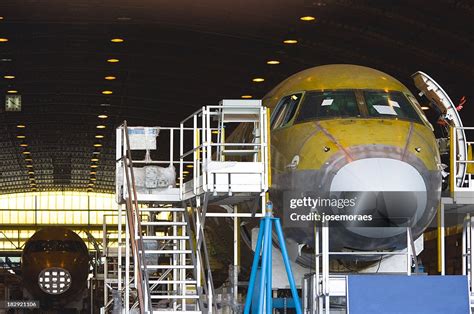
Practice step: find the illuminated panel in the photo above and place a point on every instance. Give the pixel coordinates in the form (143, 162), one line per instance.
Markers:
(76, 210)
(54, 280)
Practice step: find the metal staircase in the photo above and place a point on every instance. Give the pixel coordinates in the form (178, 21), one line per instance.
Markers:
(167, 267)
(169, 260)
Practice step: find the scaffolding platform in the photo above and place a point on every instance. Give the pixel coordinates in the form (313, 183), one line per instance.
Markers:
(165, 179)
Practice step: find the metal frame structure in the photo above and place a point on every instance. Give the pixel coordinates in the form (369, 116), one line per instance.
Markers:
(214, 171)
(461, 194)
(318, 287)
(224, 173)
(467, 256)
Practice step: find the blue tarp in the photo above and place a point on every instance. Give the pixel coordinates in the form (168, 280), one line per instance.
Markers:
(390, 294)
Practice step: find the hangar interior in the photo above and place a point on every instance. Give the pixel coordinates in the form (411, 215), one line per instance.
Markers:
(141, 143)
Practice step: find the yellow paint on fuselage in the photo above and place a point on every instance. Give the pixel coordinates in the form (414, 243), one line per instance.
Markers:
(331, 77)
(303, 139)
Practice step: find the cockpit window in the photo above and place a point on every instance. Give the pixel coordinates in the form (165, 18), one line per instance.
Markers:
(390, 105)
(54, 245)
(330, 104)
(285, 110)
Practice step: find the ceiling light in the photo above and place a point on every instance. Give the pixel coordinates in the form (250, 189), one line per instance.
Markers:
(189, 166)
(28, 159)
(96, 152)
(1, 17)
(107, 92)
(93, 166)
(3, 40)
(20, 136)
(97, 145)
(101, 126)
(307, 18)
(26, 153)
(185, 172)
(246, 96)
(31, 172)
(117, 40)
(12, 91)
(113, 60)
(273, 62)
(110, 77)
(290, 41)
(94, 159)
(23, 145)
(102, 116)
(93, 179)
(32, 179)
(21, 126)
(258, 79)
(93, 172)
(29, 166)
(425, 108)
(99, 136)
(91, 184)
(9, 77)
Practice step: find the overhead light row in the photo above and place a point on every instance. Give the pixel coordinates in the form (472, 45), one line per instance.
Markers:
(288, 41)
(95, 155)
(10, 77)
(21, 134)
(98, 136)
(27, 156)
(7, 76)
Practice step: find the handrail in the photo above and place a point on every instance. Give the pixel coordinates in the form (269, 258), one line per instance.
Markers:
(204, 261)
(458, 181)
(204, 145)
(197, 112)
(134, 219)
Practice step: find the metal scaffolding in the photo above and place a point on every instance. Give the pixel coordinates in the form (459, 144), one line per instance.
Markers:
(166, 265)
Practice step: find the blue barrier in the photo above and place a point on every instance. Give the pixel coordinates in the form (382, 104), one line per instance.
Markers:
(390, 294)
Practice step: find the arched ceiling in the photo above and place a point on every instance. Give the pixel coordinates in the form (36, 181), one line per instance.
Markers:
(179, 55)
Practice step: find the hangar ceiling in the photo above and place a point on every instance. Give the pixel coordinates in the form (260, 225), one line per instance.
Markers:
(179, 55)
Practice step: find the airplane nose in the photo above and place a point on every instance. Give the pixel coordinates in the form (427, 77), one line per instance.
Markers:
(391, 190)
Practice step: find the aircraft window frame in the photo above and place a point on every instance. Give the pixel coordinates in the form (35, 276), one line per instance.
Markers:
(363, 108)
(285, 111)
(307, 93)
(388, 116)
(412, 99)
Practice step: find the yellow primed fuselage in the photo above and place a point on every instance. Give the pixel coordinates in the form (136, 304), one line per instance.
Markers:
(325, 146)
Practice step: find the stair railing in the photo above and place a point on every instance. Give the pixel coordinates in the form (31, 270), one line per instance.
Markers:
(133, 219)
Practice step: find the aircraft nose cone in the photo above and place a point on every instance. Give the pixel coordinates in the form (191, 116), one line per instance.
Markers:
(378, 174)
(390, 190)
